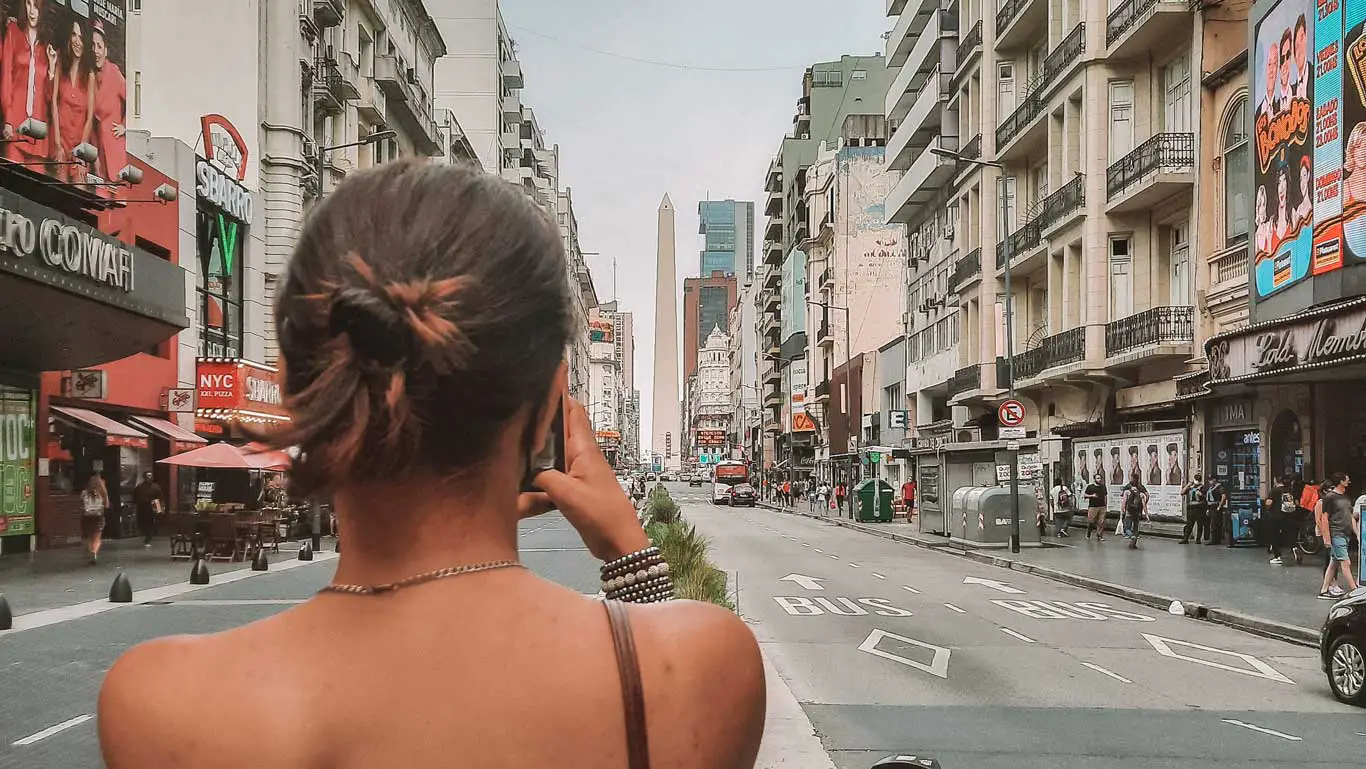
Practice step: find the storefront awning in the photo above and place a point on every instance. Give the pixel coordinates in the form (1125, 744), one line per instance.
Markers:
(180, 438)
(115, 433)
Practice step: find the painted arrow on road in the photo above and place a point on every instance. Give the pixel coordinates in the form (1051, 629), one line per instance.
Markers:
(993, 584)
(810, 583)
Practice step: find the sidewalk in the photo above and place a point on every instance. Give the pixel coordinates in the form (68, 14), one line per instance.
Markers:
(61, 577)
(1233, 586)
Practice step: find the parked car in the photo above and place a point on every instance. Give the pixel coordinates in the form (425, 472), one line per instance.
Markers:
(743, 494)
(695, 479)
(1342, 646)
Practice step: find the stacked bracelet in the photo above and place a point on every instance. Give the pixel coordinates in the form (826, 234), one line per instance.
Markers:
(639, 577)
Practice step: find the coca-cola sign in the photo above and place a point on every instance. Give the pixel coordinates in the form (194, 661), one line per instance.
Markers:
(1315, 340)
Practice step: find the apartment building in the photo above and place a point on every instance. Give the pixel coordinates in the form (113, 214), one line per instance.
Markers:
(831, 91)
(583, 295)
(744, 358)
(707, 302)
(1058, 138)
(855, 265)
(709, 410)
(727, 230)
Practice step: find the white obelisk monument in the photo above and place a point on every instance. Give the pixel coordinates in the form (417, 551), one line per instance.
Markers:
(664, 430)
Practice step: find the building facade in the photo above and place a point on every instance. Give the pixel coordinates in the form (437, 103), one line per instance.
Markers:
(707, 302)
(746, 430)
(727, 230)
(479, 81)
(710, 410)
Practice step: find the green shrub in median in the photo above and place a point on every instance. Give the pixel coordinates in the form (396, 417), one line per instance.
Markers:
(660, 507)
(685, 550)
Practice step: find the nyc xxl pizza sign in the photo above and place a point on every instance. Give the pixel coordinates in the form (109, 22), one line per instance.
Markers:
(231, 388)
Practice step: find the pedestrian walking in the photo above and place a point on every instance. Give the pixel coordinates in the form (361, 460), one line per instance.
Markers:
(839, 496)
(1278, 517)
(94, 508)
(1134, 502)
(823, 496)
(1063, 507)
(1096, 505)
(1216, 504)
(1197, 510)
(908, 496)
(1337, 525)
(147, 502)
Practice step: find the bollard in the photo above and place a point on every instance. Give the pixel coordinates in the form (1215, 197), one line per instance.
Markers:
(6, 616)
(122, 590)
(199, 573)
(259, 562)
(305, 552)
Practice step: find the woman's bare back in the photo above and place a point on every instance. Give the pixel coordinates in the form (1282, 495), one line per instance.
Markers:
(489, 670)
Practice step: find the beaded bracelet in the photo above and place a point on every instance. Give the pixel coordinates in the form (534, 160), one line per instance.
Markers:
(643, 587)
(639, 577)
(628, 562)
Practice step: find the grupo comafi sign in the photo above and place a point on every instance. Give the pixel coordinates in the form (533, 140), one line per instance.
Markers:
(1317, 339)
(38, 234)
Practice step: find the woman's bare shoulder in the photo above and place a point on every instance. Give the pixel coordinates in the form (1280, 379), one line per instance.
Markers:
(149, 701)
(708, 661)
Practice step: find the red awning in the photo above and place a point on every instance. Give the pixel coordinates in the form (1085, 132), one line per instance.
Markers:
(180, 438)
(115, 433)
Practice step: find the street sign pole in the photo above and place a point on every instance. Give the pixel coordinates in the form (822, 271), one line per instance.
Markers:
(1011, 414)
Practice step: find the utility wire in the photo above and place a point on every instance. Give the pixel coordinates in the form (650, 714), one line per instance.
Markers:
(652, 62)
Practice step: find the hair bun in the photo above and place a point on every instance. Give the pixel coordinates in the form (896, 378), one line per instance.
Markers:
(378, 331)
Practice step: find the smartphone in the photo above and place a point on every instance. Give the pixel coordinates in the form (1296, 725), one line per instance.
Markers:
(552, 456)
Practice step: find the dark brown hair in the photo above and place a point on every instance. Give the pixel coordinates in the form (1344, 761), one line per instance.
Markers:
(424, 306)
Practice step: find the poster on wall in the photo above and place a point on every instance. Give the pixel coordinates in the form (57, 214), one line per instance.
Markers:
(1328, 156)
(18, 458)
(1282, 100)
(1160, 460)
(1353, 19)
(67, 54)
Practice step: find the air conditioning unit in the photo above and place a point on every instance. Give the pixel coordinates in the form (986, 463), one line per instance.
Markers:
(967, 435)
(960, 415)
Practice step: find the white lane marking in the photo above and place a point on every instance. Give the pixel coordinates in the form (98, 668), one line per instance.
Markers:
(51, 730)
(955, 608)
(810, 583)
(229, 602)
(834, 557)
(1263, 730)
(1105, 672)
(819, 550)
(805, 545)
(1024, 638)
(1258, 669)
(938, 665)
(910, 589)
(993, 584)
(61, 614)
(853, 565)
(878, 576)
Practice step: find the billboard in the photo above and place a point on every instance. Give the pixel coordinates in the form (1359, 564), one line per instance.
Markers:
(63, 96)
(1353, 117)
(801, 421)
(1283, 148)
(1159, 458)
(18, 460)
(601, 331)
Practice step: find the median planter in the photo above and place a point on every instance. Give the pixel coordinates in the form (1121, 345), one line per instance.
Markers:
(686, 551)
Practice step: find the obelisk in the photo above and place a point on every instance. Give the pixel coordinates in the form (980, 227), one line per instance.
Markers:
(665, 440)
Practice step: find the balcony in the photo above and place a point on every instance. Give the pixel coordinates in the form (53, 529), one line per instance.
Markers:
(1021, 242)
(1054, 351)
(773, 231)
(921, 182)
(773, 207)
(409, 104)
(512, 74)
(370, 103)
(1226, 296)
(906, 31)
(923, 122)
(823, 391)
(1172, 327)
(512, 107)
(773, 181)
(1139, 26)
(773, 300)
(1058, 208)
(773, 279)
(773, 395)
(1021, 23)
(1061, 61)
(968, 45)
(308, 26)
(329, 13)
(773, 251)
(827, 279)
(330, 89)
(965, 379)
(1158, 168)
(823, 336)
(967, 268)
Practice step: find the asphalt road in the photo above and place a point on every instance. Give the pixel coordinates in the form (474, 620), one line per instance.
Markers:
(892, 648)
(50, 676)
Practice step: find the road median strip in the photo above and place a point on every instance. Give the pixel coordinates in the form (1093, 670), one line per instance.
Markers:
(1247, 623)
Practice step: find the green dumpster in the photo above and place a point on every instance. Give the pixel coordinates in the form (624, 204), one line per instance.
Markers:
(874, 501)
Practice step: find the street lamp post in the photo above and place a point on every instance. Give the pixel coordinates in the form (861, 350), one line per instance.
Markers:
(1010, 330)
(377, 136)
(848, 380)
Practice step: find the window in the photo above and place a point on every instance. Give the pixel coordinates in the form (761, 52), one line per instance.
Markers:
(1176, 95)
(1121, 118)
(1121, 278)
(1237, 173)
(1181, 265)
(859, 74)
(137, 93)
(219, 284)
(1011, 213)
(1005, 89)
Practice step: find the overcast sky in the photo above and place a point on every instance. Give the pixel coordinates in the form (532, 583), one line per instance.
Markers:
(630, 131)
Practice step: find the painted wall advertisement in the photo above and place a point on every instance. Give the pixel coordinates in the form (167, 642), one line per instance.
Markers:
(801, 421)
(1159, 458)
(18, 458)
(1353, 83)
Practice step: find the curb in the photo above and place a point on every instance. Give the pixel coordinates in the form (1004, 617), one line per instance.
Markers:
(1267, 628)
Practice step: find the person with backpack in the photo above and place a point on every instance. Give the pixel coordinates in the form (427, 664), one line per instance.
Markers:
(1197, 511)
(1096, 500)
(1216, 502)
(1134, 502)
(1063, 507)
(1279, 518)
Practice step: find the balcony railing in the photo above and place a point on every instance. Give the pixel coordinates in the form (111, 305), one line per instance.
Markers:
(1021, 240)
(329, 85)
(1123, 18)
(969, 42)
(1036, 99)
(823, 389)
(972, 150)
(1061, 202)
(1159, 325)
(1163, 152)
(965, 379)
(1229, 264)
(968, 267)
(1056, 350)
(823, 332)
(1009, 10)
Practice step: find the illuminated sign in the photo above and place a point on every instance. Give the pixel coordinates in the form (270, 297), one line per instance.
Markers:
(225, 193)
(227, 150)
(65, 244)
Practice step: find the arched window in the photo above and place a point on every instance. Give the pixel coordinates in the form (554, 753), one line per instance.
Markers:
(1237, 165)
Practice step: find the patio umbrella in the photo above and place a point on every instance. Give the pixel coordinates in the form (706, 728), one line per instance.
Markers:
(262, 458)
(223, 456)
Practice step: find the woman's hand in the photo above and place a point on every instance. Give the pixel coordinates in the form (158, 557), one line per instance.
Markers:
(588, 493)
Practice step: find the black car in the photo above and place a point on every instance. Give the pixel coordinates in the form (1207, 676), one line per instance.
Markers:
(743, 494)
(1342, 646)
(694, 480)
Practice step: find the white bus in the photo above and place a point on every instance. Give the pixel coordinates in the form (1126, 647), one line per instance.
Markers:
(724, 476)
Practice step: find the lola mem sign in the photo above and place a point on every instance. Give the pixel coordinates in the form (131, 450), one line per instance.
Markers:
(1320, 338)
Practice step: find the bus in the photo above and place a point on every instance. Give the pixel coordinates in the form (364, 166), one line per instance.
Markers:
(725, 475)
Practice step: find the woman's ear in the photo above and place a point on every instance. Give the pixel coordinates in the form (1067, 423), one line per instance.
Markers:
(554, 402)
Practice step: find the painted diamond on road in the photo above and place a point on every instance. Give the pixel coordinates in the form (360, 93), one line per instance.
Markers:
(1255, 667)
(938, 664)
